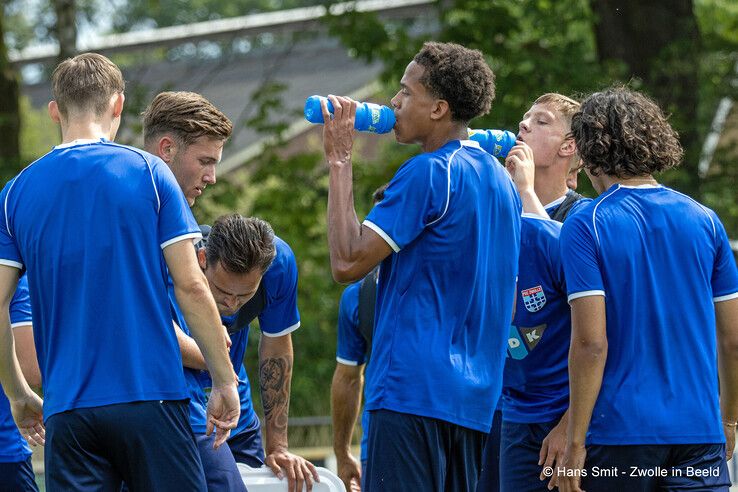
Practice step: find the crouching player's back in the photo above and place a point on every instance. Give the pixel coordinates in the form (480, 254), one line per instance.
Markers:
(663, 264)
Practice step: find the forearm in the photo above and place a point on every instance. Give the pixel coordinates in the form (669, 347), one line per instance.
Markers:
(345, 404)
(586, 366)
(203, 320)
(25, 350)
(11, 376)
(531, 203)
(191, 354)
(727, 324)
(275, 377)
(344, 228)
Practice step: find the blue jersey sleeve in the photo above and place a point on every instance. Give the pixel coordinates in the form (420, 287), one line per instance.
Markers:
(280, 315)
(20, 305)
(175, 217)
(351, 349)
(9, 253)
(580, 258)
(725, 274)
(417, 196)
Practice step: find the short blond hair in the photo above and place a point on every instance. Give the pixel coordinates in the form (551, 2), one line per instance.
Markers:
(564, 105)
(86, 83)
(187, 116)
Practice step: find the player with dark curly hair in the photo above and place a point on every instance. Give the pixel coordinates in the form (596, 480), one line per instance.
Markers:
(644, 396)
(447, 235)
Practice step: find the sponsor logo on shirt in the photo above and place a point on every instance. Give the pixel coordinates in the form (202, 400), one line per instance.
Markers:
(534, 298)
(522, 340)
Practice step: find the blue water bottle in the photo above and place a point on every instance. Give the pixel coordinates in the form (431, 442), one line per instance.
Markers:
(369, 117)
(496, 142)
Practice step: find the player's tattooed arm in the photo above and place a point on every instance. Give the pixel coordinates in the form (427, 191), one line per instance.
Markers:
(275, 376)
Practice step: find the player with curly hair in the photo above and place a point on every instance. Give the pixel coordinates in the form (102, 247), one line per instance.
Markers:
(447, 235)
(653, 289)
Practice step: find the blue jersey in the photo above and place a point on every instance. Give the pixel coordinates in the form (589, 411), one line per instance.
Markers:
(89, 221)
(536, 381)
(661, 260)
(279, 317)
(444, 299)
(352, 347)
(13, 448)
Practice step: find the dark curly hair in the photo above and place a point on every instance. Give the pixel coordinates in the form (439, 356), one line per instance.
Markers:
(623, 133)
(458, 75)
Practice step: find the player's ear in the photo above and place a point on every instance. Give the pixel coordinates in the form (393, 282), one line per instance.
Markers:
(202, 258)
(166, 148)
(568, 147)
(54, 113)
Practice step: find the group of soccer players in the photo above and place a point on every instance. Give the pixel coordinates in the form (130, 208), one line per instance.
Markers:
(607, 337)
(617, 366)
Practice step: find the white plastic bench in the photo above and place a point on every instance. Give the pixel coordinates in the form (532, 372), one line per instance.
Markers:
(263, 480)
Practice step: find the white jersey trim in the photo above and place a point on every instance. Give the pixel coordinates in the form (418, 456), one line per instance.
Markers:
(347, 362)
(148, 165)
(586, 293)
(21, 323)
(594, 213)
(536, 216)
(195, 236)
(371, 225)
(79, 141)
(703, 208)
(448, 180)
(283, 332)
(12, 263)
(726, 297)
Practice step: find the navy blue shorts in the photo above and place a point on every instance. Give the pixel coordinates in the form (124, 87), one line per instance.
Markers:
(519, 452)
(221, 472)
(489, 477)
(149, 445)
(247, 448)
(408, 452)
(17, 477)
(650, 467)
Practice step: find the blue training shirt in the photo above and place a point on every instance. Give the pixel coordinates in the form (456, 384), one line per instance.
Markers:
(89, 221)
(444, 299)
(661, 260)
(536, 380)
(352, 347)
(279, 317)
(13, 447)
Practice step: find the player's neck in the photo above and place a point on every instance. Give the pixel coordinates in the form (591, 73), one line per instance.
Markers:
(444, 134)
(86, 130)
(549, 184)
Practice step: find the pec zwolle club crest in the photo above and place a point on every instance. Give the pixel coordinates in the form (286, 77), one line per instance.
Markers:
(534, 298)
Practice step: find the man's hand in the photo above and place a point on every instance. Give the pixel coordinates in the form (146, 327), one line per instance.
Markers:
(349, 471)
(298, 469)
(224, 408)
(552, 451)
(29, 417)
(573, 463)
(729, 431)
(338, 130)
(519, 163)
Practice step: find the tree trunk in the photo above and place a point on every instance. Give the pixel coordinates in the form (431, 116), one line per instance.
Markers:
(9, 112)
(66, 28)
(659, 43)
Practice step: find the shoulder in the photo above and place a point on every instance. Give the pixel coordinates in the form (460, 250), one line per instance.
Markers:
(350, 295)
(283, 270)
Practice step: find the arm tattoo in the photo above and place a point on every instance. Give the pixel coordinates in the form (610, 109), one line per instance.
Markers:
(275, 375)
